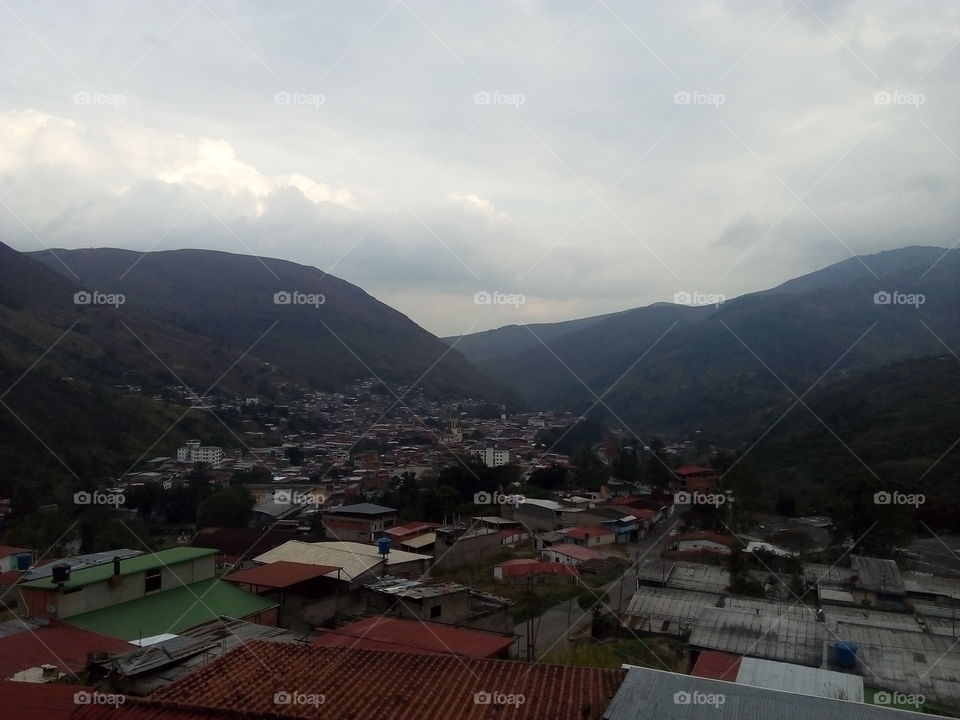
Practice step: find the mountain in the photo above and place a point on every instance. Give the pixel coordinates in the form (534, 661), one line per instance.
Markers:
(327, 334)
(719, 369)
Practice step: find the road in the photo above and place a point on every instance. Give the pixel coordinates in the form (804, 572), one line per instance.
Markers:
(566, 620)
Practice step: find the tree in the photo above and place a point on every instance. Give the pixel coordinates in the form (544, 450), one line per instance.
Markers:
(230, 507)
(553, 477)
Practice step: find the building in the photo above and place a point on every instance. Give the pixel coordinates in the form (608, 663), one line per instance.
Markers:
(590, 536)
(705, 541)
(370, 684)
(459, 545)
(142, 596)
(696, 479)
(493, 457)
(27, 645)
(430, 599)
(877, 582)
(362, 522)
(14, 558)
(194, 452)
(416, 636)
(568, 554)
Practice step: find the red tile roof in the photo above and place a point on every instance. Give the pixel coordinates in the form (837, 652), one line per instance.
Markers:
(57, 644)
(280, 574)
(7, 551)
(642, 513)
(390, 686)
(537, 568)
(38, 701)
(585, 533)
(694, 470)
(717, 665)
(413, 636)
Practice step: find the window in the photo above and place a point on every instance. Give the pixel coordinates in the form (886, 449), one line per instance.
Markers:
(151, 581)
(435, 611)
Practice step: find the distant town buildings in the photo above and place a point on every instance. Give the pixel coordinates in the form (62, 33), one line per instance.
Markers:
(194, 452)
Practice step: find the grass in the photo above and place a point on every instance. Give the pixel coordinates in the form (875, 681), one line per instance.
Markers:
(660, 653)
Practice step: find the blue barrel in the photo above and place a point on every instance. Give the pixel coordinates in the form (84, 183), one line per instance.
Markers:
(846, 654)
(24, 560)
(383, 545)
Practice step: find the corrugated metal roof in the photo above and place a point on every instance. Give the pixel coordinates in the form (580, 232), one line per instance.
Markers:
(421, 540)
(799, 679)
(391, 686)
(78, 562)
(656, 694)
(717, 665)
(38, 701)
(280, 574)
(56, 644)
(788, 638)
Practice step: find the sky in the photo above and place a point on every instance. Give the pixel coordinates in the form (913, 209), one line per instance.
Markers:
(482, 164)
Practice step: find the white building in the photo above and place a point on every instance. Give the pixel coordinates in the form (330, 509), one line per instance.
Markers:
(194, 452)
(493, 457)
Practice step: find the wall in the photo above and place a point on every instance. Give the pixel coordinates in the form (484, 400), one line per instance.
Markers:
(466, 550)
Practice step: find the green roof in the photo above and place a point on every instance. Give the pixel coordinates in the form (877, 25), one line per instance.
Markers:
(128, 566)
(172, 611)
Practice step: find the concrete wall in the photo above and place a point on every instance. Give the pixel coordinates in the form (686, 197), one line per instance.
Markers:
(121, 589)
(467, 550)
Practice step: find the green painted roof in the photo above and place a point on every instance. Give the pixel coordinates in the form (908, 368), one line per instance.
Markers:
(172, 611)
(139, 563)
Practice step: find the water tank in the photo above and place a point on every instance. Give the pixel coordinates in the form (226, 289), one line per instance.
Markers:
(61, 573)
(383, 545)
(846, 654)
(23, 561)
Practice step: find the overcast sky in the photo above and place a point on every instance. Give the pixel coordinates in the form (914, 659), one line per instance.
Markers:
(589, 156)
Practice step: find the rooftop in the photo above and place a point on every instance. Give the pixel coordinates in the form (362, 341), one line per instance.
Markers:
(280, 574)
(647, 693)
(574, 551)
(769, 635)
(128, 566)
(355, 559)
(173, 611)
(391, 686)
(881, 576)
(78, 561)
(362, 509)
(30, 643)
(415, 589)
(717, 665)
(415, 636)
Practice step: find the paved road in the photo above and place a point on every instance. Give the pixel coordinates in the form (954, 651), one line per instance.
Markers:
(566, 620)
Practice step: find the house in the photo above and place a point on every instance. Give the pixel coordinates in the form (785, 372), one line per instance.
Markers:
(430, 599)
(704, 541)
(543, 515)
(590, 536)
(537, 572)
(353, 683)
(142, 596)
(877, 582)
(458, 545)
(361, 522)
(14, 558)
(568, 554)
(403, 635)
(30, 644)
(693, 478)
